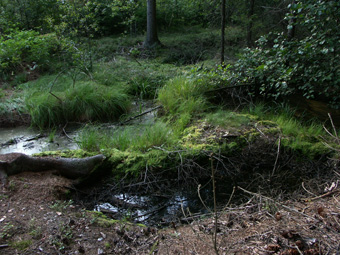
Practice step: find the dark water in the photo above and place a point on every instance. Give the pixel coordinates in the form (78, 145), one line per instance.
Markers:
(181, 205)
(30, 141)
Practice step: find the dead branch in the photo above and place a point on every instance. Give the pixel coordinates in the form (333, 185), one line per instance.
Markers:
(268, 198)
(14, 163)
(139, 115)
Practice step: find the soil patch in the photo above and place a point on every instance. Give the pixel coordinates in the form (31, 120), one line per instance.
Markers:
(37, 218)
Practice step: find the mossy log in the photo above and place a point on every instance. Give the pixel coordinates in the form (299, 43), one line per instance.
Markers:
(73, 168)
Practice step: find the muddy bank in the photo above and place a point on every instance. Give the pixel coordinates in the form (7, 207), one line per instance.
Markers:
(160, 197)
(15, 119)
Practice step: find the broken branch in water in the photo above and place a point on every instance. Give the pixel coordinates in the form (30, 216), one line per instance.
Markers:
(139, 115)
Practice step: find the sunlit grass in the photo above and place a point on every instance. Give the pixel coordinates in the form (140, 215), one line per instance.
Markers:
(227, 119)
(87, 101)
(134, 138)
(297, 134)
(181, 95)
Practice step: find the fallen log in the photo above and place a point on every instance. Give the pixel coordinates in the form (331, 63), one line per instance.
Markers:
(73, 168)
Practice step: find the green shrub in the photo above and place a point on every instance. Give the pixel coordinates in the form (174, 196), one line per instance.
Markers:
(26, 50)
(307, 65)
(23, 53)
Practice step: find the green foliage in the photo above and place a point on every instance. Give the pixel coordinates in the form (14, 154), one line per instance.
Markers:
(228, 119)
(84, 102)
(26, 51)
(196, 45)
(61, 205)
(21, 245)
(25, 54)
(140, 80)
(182, 95)
(134, 138)
(76, 19)
(27, 14)
(304, 138)
(308, 65)
(7, 230)
(9, 106)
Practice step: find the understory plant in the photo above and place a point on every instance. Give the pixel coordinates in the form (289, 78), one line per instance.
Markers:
(26, 52)
(87, 101)
(307, 64)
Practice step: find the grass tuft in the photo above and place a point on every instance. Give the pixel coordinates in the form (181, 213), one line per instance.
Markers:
(87, 101)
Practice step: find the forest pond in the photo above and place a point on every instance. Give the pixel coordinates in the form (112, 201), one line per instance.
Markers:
(30, 141)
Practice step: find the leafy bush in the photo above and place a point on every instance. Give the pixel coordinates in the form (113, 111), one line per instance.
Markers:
(309, 65)
(27, 51)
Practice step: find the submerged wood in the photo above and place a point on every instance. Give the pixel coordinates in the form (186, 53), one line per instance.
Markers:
(73, 168)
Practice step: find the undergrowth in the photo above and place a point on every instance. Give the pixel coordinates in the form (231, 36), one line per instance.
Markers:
(87, 101)
(303, 138)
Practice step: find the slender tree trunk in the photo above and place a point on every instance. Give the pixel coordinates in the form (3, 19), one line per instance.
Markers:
(151, 29)
(222, 30)
(250, 24)
(291, 25)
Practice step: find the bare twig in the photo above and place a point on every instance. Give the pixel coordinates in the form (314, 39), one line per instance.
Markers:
(322, 196)
(66, 133)
(268, 198)
(139, 115)
(215, 204)
(277, 156)
(53, 83)
(303, 186)
(199, 196)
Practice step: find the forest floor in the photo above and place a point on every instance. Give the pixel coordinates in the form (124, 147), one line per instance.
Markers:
(35, 218)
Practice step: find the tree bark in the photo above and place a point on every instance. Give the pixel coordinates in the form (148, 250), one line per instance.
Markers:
(222, 30)
(73, 168)
(151, 28)
(291, 25)
(250, 24)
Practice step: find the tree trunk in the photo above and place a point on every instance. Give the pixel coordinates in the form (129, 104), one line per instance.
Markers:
(151, 29)
(291, 25)
(14, 163)
(222, 30)
(250, 24)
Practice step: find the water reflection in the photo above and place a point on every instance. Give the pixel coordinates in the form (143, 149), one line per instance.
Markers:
(28, 141)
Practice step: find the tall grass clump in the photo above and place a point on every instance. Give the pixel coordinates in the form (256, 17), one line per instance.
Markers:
(182, 99)
(87, 101)
(304, 137)
(182, 95)
(91, 139)
(134, 138)
(11, 105)
(159, 135)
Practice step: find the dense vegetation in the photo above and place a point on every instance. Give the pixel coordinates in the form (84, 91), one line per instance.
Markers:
(231, 113)
(84, 61)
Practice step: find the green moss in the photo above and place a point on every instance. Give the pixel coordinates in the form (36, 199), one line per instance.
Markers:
(228, 119)
(301, 146)
(66, 154)
(133, 161)
(21, 245)
(101, 220)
